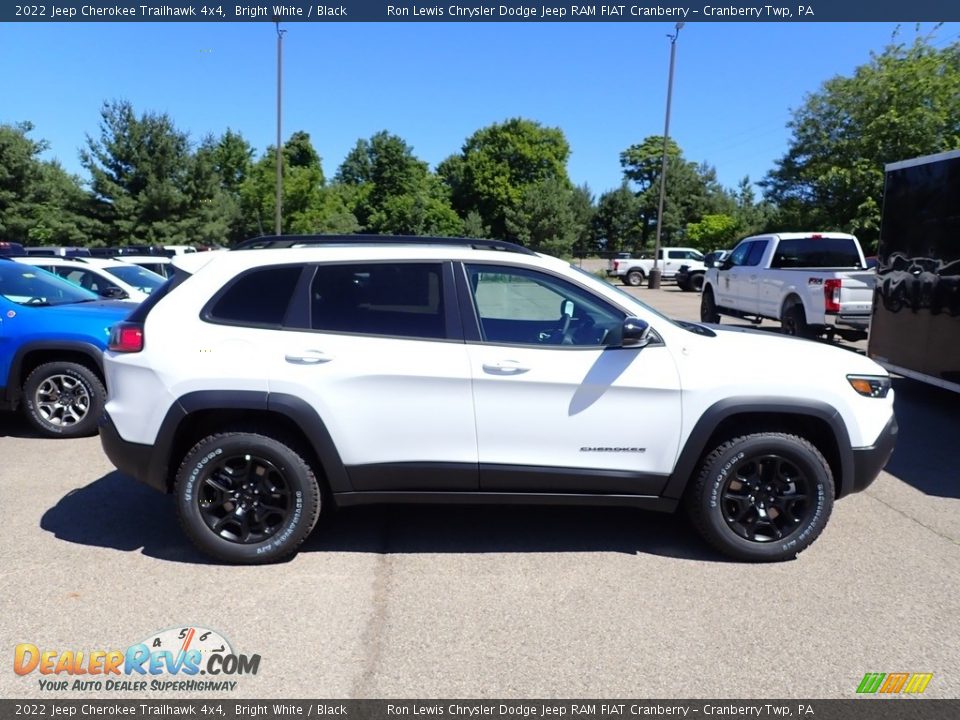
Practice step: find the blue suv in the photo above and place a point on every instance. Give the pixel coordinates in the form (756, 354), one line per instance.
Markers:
(52, 335)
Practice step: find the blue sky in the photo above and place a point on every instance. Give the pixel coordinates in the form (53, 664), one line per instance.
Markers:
(603, 84)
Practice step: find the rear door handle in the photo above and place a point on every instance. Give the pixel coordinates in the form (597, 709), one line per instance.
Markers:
(504, 367)
(307, 357)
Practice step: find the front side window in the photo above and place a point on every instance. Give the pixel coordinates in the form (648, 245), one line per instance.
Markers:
(740, 254)
(393, 299)
(85, 279)
(517, 306)
(258, 298)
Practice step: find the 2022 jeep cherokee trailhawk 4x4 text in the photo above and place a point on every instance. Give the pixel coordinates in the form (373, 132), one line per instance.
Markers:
(295, 372)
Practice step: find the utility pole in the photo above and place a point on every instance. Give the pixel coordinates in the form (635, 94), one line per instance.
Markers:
(279, 224)
(654, 281)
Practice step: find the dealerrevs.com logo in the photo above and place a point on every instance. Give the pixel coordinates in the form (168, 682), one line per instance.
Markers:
(186, 659)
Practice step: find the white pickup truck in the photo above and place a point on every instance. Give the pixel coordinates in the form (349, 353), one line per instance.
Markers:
(634, 271)
(813, 283)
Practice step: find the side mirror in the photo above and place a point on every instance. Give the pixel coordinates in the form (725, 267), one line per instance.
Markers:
(726, 264)
(566, 308)
(114, 293)
(636, 333)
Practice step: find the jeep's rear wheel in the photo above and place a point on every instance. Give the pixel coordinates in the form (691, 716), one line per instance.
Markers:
(696, 282)
(708, 307)
(64, 399)
(243, 497)
(762, 497)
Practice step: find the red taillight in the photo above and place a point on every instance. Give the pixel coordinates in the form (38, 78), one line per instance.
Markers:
(126, 337)
(831, 295)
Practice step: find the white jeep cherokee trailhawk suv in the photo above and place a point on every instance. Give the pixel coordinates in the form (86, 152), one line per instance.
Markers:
(294, 371)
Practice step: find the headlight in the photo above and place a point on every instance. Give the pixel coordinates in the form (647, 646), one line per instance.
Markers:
(875, 386)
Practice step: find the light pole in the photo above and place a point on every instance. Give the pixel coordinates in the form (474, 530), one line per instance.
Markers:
(279, 224)
(654, 281)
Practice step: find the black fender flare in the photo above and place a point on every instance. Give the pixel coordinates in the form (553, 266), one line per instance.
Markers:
(92, 351)
(293, 408)
(696, 443)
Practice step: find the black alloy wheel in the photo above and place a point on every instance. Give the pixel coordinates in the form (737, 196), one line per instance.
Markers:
(766, 498)
(244, 498)
(247, 496)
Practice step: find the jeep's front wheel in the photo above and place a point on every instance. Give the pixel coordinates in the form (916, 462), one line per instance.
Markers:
(763, 497)
(246, 498)
(64, 399)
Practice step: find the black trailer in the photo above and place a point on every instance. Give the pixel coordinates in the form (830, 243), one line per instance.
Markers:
(915, 329)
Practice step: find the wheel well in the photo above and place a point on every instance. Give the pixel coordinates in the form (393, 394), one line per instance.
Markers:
(812, 428)
(637, 270)
(202, 423)
(789, 301)
(35, 358)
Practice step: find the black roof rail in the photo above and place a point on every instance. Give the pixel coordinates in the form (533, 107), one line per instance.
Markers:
(287, 241)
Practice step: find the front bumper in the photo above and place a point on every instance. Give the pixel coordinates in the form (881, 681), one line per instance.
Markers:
(869, 461)
(138, 461)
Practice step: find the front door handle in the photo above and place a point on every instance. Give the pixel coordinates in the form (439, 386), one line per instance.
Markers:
(504, 367)
(307, 357)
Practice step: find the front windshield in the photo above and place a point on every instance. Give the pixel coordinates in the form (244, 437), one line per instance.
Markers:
(28, 285)
(138, 277)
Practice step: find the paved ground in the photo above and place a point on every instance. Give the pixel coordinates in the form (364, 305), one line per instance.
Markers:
(494, 602)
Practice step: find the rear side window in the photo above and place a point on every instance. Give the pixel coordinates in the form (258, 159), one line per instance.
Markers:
(817, 252)
(258, 298)
(395, 299)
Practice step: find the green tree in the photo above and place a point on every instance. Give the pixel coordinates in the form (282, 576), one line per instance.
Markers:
(712, 232)
(544, 219)
(498, 164)
(40, 204)
(393, 192)
(147, 185)
(692, 190)
(581, 203)
(617, 222)
(308, 205)
(901, 104)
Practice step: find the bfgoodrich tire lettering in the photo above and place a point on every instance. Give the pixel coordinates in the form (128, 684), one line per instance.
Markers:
(64, 399)
(762, 497)
(244, 497)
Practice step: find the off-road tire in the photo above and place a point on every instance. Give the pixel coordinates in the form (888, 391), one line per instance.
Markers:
(276, 489)
(740, 484)
(63, 399)
(708, 307)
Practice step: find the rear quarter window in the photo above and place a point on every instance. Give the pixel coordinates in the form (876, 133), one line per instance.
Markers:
(258, 298)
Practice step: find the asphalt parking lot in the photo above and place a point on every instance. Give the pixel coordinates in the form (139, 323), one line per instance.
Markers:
(499, 602)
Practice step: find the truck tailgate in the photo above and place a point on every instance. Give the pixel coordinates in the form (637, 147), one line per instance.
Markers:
(856, 291)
